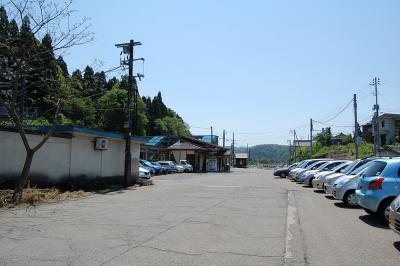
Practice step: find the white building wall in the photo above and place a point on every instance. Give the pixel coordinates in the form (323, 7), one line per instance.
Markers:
(51, 161)
(66, 157)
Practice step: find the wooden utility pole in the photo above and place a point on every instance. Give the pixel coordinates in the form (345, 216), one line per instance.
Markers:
(223, 139)
(356, 129)
(375, 83)
(311, 137)
(127, 48)
(211, 135)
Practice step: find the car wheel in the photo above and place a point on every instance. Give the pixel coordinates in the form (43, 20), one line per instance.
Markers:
(310, 182)
(282, 175)
(350, 198)
(383, 210)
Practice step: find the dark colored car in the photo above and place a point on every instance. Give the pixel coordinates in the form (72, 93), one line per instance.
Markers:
(284, 172)
(164, 170)
(171, 166)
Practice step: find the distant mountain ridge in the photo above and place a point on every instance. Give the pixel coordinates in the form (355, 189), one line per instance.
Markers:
(267, 152)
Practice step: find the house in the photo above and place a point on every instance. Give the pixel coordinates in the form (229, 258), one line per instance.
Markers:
(389, 128)
(72, 156)
(301, 143)
(204, 156)
(156, 147)
(241, 160)
(338, 139)
(367, 133)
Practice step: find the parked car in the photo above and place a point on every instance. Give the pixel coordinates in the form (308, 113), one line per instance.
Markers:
(147, 167)
(351, 170)
(180, 168)
(394, 215)
(188, 168)
(301, 166)
(319, 180)
(157, 169)
(144, 173)
(171, 166)
(312, 166)
(344, 188)
(284, 172)
(379, 186)
(164, 169)
(308, 176)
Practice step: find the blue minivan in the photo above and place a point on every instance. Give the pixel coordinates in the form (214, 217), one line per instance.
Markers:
(379, 186)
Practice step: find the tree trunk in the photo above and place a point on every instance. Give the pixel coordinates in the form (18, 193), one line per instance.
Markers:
(21, 181)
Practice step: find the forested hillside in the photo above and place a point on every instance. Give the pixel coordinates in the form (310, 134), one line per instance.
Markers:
(90, 99)
(267, 153)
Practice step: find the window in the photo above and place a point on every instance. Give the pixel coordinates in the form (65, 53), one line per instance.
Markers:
(383, 123)
(375, 169)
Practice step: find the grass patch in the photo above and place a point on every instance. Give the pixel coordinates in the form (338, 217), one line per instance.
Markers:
(34, 196)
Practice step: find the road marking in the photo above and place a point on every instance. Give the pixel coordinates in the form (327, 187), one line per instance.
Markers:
(294, 246)
(223, 186)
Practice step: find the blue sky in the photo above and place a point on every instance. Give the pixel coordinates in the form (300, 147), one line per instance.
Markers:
(259, 67)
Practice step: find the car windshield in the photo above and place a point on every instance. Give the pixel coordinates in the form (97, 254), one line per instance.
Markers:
(375, 168)
(322, 166)
(340, 166)
(360, 168)
(314, 165)
(350, 166)
(301, 164)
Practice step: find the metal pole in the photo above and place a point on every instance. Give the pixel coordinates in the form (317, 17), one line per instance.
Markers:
(355, 124)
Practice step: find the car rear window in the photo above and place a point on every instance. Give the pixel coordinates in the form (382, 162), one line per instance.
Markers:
(375, 169)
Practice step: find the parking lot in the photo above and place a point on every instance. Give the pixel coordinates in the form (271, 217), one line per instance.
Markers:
(246, 217)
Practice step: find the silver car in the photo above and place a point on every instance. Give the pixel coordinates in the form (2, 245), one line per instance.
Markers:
(354, 170)
(319, 180)
(312, 166)
(301, 166)
(394, 215)
(344, 188)
(309, 176)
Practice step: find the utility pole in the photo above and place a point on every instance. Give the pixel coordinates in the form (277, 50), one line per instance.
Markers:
(223, 139)
(355, 124)
(311, 137)
(375, 83)
(127, 48)
(233, 142)
(294, 145)
(211, 135)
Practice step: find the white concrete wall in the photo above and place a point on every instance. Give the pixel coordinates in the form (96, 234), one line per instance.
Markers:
(51, 161)
(63, 157)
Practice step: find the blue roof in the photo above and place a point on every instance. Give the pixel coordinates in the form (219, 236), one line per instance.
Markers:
(74, 129)
(154, 141)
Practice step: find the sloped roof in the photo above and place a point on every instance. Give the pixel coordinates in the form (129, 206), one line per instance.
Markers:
(184, 145)
(155, 141)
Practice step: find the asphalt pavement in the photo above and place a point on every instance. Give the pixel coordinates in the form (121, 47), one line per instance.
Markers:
(246, 217)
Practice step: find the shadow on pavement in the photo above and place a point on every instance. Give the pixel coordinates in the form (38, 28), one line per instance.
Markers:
(344, 206)
(329, 197)
(319, 191)
(373, 221)
(397, 245)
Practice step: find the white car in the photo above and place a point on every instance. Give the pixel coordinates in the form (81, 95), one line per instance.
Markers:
(180, 168)
(144, 173)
